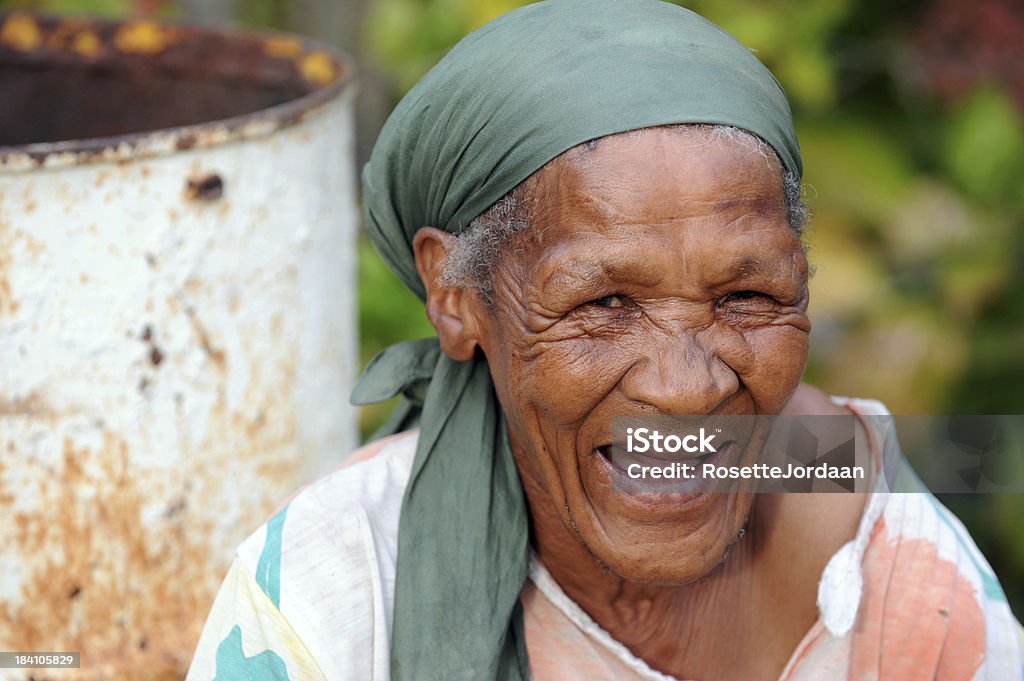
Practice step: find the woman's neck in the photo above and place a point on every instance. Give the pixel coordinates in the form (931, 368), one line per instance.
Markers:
(742, 621)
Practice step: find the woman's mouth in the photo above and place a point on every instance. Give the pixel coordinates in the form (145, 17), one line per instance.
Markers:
(682, 474)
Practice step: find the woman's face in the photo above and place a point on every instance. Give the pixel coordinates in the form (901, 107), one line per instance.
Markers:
(659, 276)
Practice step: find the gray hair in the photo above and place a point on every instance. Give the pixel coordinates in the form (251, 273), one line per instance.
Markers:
(479, 247)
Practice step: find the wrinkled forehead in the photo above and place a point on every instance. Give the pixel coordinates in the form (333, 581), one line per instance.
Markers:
(679, 206)
(687, 168)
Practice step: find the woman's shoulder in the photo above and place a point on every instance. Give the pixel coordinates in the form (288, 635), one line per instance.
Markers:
(356, 505)
(323, 567)
(921, 579)
(367, 477)
(929, 589)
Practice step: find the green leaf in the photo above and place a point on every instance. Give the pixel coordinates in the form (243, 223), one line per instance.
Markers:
(985, 146)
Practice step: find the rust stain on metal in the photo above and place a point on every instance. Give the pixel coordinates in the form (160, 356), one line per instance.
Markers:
(176, 508)
(6, 497)
(8, 305)
(93, 550)
(31, 406)
(205, 187)
(186, 140)
(216, 355)
(155, 355)
(21, 32)
(87, 554)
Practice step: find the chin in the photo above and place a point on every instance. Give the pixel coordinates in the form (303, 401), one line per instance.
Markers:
(685, 551)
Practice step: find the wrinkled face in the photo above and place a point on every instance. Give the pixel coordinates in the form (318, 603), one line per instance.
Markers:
(659, 276)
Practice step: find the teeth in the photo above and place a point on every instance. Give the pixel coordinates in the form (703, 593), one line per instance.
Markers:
(617, 453)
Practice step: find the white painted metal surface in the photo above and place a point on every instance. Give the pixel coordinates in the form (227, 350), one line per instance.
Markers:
(176, 359)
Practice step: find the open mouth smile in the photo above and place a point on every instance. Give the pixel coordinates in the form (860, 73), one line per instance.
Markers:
(674, 475)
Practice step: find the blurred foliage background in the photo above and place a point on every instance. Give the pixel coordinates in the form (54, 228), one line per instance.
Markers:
(911, 118)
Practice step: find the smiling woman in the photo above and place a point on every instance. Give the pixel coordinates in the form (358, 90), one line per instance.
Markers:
(598, 202)
(659, 273)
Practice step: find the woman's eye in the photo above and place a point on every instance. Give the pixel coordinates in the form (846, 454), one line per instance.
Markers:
(744, 296)
(608, 302)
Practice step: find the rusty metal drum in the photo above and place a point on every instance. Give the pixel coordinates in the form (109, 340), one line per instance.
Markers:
(177, 322)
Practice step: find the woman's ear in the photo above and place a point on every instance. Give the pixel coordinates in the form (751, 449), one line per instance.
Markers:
(452, 310)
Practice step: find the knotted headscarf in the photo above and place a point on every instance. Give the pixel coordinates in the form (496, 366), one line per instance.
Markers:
(507, 99)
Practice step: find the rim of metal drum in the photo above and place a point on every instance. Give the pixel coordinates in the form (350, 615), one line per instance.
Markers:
(165, 141)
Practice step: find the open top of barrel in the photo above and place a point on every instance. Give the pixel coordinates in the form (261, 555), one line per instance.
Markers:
(90, 90)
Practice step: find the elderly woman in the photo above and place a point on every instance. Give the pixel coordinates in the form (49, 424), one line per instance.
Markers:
(599, 203)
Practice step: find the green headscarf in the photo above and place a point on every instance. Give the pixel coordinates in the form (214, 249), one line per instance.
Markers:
(507, 99)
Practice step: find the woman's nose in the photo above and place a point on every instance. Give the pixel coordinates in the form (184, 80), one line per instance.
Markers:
(679, 374)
